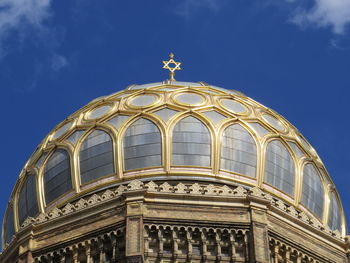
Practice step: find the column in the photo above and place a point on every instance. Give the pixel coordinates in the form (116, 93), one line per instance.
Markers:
(75, 255)
(218, 245)
(233, 246)
(88, 252)
(101, 250)
(114, 248)
(276, 250)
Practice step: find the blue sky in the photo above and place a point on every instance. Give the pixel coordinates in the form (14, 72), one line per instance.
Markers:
(291, 55)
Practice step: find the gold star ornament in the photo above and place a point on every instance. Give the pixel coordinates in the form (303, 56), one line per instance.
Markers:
(172, 66)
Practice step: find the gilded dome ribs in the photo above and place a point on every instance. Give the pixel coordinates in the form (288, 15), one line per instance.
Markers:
(175, 130)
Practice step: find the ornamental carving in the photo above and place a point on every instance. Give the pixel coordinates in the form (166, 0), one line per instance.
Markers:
(180, 188)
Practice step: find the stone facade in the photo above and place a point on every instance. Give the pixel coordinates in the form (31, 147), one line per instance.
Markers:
(176, 222)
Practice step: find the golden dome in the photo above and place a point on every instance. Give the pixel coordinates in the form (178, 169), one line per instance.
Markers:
(174, 131)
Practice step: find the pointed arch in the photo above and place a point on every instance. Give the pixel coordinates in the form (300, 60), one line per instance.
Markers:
(312, 195)
(334, 214)
(96, 157)
(57, 175)
(279, 167)
(27, 198)
(191, 143)
(238, 151)
(142, 145)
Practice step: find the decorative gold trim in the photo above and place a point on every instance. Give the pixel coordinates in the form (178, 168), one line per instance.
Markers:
(247, 111)
(166, 99)
(156, 101)
(189, 91)
(112, 108)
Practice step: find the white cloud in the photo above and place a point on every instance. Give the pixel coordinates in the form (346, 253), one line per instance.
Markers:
(325, 13)
(25, 24)
(58, 62)
(21, 15)
(305, 13)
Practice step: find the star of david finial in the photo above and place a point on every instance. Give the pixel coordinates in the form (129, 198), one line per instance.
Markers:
(172, 66)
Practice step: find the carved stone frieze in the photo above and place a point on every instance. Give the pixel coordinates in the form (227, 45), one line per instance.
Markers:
(179, 188)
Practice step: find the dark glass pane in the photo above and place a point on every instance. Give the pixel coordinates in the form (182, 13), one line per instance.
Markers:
(57, 176)
(279, 167)
(28, 202)
(9, 226)
(191, 143)
(96, 156)
(238, 152)
(334, 216)
(312, 192)
(142, 145)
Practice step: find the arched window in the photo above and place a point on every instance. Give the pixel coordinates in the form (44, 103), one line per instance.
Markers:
(27, 201)
(279, 167)
(96, 156)
(57, 176)
(191, 143)
(334, 215)
(238, 151)
(9, 226)
(312, 192)
(142, 145)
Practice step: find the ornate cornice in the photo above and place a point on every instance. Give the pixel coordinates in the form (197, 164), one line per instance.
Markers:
(188, 189)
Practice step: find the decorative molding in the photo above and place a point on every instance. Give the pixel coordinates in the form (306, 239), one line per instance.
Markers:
(183, 189)
(84, 245)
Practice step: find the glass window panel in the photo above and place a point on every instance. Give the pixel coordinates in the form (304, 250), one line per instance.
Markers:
(325, 177)
(233, 106)
(273, 122)
(166, 89)
(238, 152)
(189, 98)
(214, 116)
(117, 121)
(296, 149)
(143, 100)
(166, 114)
(96, 156)
(122, 95)
(99, 111)
(28, 202)
(9, 226)
(305, 143)
(186, 84)
(41, 160)
(312, 192)
(62, 130)
(75, 136)
(142, 145)
(334, 216)
(57, 176)
(258, 128)
(279, 167)
(191, 143)
(210, 91)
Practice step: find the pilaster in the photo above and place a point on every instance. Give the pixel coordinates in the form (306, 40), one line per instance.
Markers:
(134, 226)
(259, 244)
